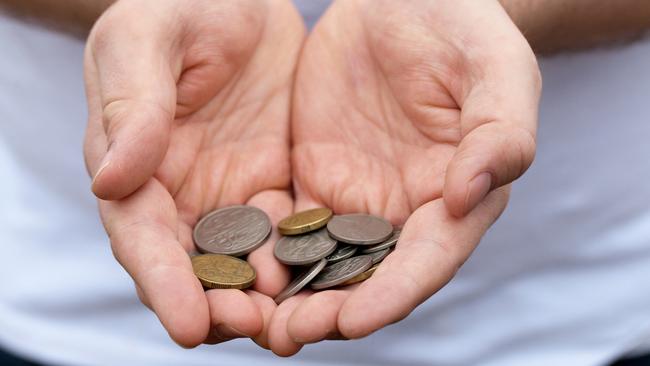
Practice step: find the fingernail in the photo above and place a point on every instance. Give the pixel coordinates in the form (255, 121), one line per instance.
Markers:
(227, 332)
(300, 340)
(101, 169)
(477, 190)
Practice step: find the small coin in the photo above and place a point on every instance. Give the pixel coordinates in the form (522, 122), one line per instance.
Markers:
(305, 221)
(233, 230)
(361, 277)
(343, 251)
(339, 272)
(388, 243)
(304, 249)
(360, 229)
(301, 281)
(379, 256)
(223, 271)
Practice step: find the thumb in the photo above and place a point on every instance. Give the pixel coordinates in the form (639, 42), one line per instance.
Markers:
(130, 80)
(498, 127)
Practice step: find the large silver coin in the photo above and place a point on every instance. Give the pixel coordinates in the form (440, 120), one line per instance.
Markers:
(340, 272)
(379, 256)
(233, 230)
(360, 229)
(301, 281)
(343, 251)
(385, 244)
(304, 249)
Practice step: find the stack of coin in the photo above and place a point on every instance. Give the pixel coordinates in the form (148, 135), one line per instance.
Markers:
(338, 250)
(223, 235)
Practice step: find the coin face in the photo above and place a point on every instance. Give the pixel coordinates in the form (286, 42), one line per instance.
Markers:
(343, 251)
(223, 271)
(379, 256)
(337, 273)
(304, 249)
(361, 277)
(360, 229)
(305, 221)
(388, 243)
(301, 281)
(233, 230)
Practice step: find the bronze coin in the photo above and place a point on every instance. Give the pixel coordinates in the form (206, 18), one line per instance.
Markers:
(337, 273)
(305, 221)
(301, 281)
(223, 271)
(233, 230)
(304, 249)
(359, 229)
(361, 277)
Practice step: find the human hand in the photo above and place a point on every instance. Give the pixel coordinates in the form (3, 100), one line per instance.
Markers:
(189, 111)
(417, 111)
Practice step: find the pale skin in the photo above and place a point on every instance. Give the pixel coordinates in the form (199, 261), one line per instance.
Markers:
(419, 111)
(415, 117)
(192, 124)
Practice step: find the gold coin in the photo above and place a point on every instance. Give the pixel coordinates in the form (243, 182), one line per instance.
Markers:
(361, 277)
(223, 271)
(305, 221)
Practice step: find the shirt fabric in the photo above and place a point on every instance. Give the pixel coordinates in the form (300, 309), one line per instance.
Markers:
(560, 279)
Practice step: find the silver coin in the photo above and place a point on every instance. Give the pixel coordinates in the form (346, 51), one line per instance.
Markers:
(233, 230)
(343, 251)
(301, 281)
(340, 272)
(386, 244)
(360, 229)
(379, 256)
(304, 249)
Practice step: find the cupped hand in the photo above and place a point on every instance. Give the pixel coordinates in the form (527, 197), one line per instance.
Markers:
(418, 111)
(189, 111)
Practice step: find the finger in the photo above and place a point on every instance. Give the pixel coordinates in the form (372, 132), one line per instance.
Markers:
(279, 340)
(233, 314)
(130, 79)
(498, 128)
(95, 144)
(142, 297)
(267, 307)
(272, 276)
(304, 201)
(431, 248)
(144, 241)
(316, 318)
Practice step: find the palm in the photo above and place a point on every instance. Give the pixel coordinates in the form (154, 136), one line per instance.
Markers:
(234, 149)
(227, 143)
(384, 128)
(385, 100)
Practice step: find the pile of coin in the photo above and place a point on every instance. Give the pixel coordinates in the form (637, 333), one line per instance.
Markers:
(335, 250)
(339, 250)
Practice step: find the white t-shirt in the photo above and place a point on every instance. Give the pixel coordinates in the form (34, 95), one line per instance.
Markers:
(561, 279)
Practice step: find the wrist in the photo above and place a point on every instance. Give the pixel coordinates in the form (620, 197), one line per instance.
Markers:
(72, 16)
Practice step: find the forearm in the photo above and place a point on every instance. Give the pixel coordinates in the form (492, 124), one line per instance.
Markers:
(73, 16)
(554, 25)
